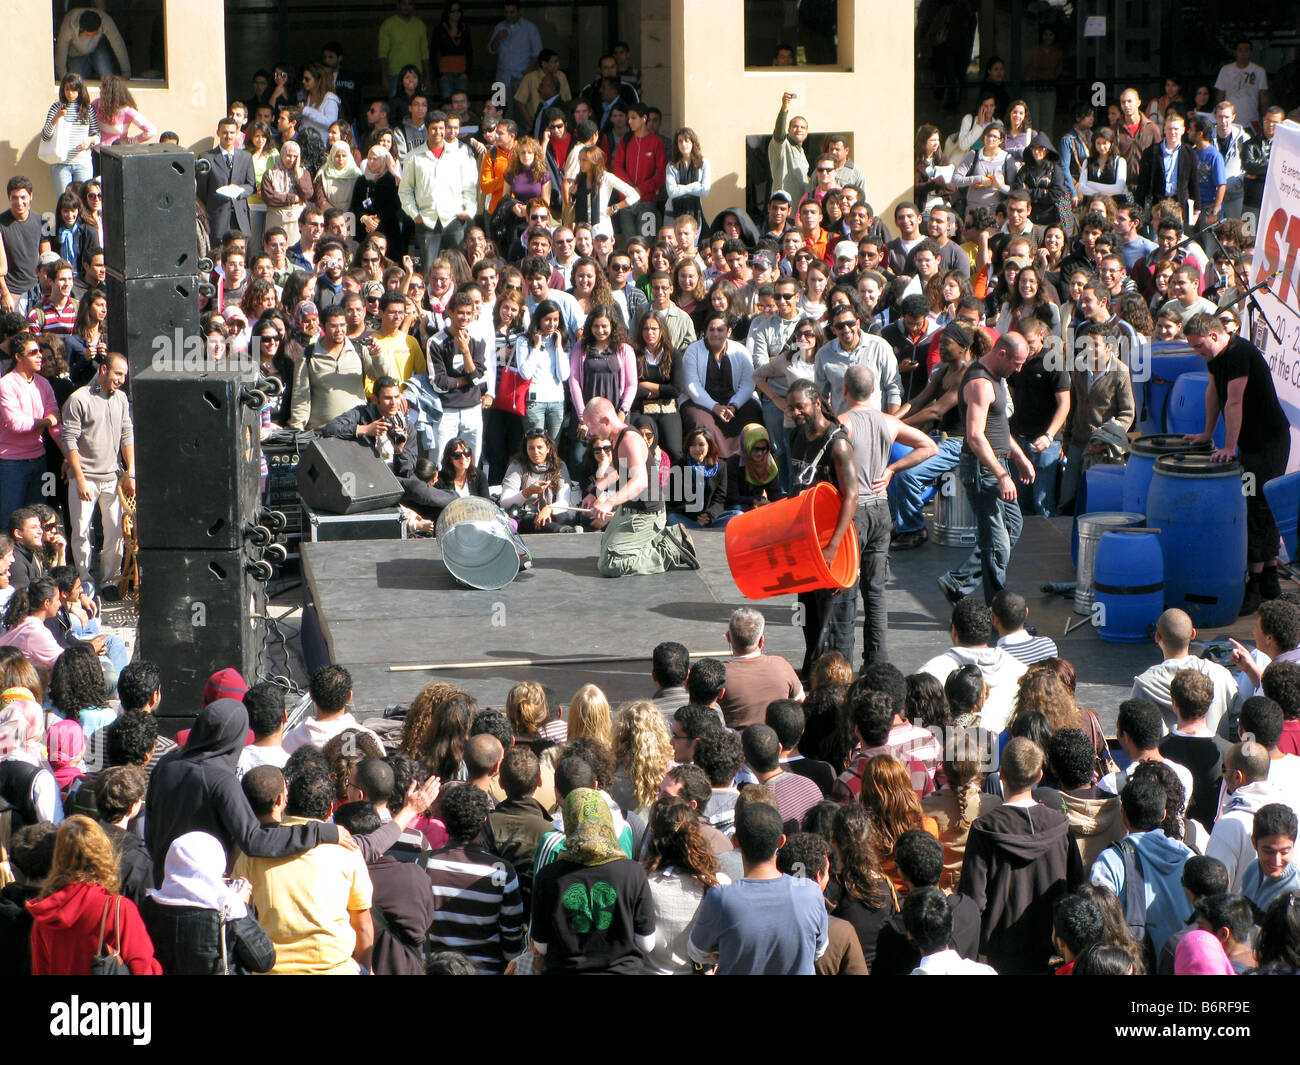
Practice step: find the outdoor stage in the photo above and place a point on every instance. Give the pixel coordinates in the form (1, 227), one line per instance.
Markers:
(382, 603)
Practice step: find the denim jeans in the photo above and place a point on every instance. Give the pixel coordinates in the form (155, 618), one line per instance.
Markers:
(999, 524)
(830, 616)
(466, 424)
(639, 220)
(427, 241)
(98, 64)
(774, 422)
(1071, 475)
(1040, 497)
(908, 487)
(450, 83)
(548, 416)
(64, 174)
(1233, 200)
(20, 483)
(873, 524)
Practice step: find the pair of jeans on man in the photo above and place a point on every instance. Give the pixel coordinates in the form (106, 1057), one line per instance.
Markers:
(998, 524)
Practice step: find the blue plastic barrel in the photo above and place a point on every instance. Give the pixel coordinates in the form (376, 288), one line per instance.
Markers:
(1283, 495)
(1128, 584)
(1142, 464)
(1167, 361)
(1187, 407)
(1200, 509)
(1100, 488)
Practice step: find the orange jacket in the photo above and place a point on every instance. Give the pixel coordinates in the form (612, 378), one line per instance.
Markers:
(492, 178)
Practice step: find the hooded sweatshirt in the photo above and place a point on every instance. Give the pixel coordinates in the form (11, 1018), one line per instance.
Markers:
(1262, 890)
(1002, 674)
(194, 789)
(1154, 683)
(1019, 861)
(1162, 859)
(316, 733)
(1095, 822)
(1045, 182)
(65, 932)
(1230, 841)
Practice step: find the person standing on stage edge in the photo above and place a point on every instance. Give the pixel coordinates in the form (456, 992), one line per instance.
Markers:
(984, 470)
(633, 518)
(872, 434)
(1258, 436)
(820, 451)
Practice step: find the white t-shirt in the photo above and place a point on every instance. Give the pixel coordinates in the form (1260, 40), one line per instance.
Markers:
(251, 757)
(1114, 782)
(1242, 88)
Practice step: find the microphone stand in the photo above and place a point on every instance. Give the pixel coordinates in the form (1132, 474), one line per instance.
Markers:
(1249, 297)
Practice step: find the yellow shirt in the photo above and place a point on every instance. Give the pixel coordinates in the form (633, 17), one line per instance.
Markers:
(403, 351)
(303, 904)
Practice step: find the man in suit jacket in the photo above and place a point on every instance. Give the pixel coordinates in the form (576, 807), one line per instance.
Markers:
(227, 165)
(1154, 182)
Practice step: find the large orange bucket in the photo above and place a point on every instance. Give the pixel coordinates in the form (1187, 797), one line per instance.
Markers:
(776, 549)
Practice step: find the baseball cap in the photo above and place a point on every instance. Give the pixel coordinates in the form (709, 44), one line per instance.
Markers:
(780, 194)
(846, 249)
(763, 258)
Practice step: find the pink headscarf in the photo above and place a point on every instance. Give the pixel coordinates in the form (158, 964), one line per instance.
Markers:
(1201, 954)
(67, 743)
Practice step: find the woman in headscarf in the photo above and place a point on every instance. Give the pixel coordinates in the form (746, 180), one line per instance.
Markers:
(592, 907)
(200, 923)
(336, 179)
(753, 477)
(26, 780)
(1201, 954)
(287, 188)
(305, 328)
(67, 746)
(374, 200)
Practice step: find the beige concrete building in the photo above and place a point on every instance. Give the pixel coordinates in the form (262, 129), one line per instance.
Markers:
(190, 100)
(693, 64)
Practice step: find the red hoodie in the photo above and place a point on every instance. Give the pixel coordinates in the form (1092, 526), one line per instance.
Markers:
(65, 932)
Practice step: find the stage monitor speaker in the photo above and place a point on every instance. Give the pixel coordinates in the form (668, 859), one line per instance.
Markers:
(344, 477)
(155, 321)
(200, 611)
(197, 456)
(149, 210)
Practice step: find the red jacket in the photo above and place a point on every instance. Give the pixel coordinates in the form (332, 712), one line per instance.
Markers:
(65, 932)
(642, 163)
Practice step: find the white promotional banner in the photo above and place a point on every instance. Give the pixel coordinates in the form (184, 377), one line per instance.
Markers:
(1277, 252)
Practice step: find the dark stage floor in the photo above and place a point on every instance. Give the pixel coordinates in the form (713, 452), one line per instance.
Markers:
(392, 602)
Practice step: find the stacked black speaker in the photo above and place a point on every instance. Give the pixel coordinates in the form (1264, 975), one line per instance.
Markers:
(205, 547)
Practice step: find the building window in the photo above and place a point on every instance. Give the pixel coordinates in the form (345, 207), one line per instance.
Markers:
(114, 38)
(791, 33)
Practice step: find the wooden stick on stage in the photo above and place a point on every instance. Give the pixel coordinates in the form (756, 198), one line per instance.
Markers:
(576, 660)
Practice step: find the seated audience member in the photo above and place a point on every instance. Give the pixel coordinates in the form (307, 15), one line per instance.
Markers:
(920, 860)
(1163, 907)
(267, 716)
(315, 906)
(689, 723)
(720, 754)
(795, 794)
(199, 922)
(753, 679)
(961, 801)
(1174, 635)
(592, 907)
(768, 923)
(972, 629)
(1202, 877)
(929, 926)
(1019, 859)
(519, 822)
(859, 891)
(807, 854)
(786, 718)
(1273, 873)
(1010, 612)
(1192, 744)
(401, 905)
(669, 664)
(1095, 816)
(331, 694)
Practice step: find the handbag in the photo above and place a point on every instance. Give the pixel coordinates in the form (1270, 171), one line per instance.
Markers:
(110, 963)
(512, 392)
(55, 150)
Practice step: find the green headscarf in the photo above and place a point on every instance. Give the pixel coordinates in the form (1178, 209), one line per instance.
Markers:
(589, 837)
(333, 171)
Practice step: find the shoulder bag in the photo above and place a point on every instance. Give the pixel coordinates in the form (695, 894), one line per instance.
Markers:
(109, 962)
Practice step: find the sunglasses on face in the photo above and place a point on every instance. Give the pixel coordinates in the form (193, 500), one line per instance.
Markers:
(556, 126)
(621, 268)
(602, 447)
(848, 324)
(760, 449)
(786, 295)
(370, 258)
(461, 454)
(807, 335)
(50, 526)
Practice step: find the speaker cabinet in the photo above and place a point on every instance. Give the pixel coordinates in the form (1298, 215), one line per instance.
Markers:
(198, 458)
(155, 321)
(344, 477)
(149, 192)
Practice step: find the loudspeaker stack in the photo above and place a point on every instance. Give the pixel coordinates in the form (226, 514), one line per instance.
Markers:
(206, 549)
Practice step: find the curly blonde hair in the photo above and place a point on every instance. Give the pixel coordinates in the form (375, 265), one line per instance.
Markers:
(1040, 690)
(643, 748)
(82, 855)
(589, 715)
(527, 708)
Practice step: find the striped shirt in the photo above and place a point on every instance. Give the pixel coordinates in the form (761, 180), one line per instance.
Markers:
(47, 318)
(1029, 650)
(477, 907)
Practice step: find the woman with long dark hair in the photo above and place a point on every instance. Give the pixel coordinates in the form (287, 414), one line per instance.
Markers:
(73, 236)
(688, 176)
(603, 364)
(269, 347)
(681, 868)
(720, 385)
(859, 892)
(436, 729)
(703, 481)
(535, 489)
(454, 48)
(116, 112)
(459, 473)
(89, 337)
(541, 358)
(659, 382)
(70, 131)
